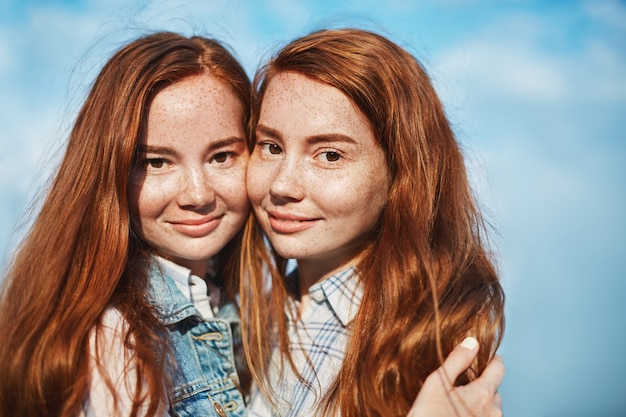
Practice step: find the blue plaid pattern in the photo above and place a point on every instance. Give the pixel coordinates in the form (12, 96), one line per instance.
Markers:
(321, 333)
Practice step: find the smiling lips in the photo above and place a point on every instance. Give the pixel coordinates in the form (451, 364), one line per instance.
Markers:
(288, 223)
(196, 228)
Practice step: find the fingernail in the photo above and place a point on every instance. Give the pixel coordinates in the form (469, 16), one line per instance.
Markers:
(469, 343)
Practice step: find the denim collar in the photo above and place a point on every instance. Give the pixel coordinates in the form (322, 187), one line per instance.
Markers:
(171, 305)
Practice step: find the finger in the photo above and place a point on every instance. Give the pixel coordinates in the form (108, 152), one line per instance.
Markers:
(493, 374)
(459, 359)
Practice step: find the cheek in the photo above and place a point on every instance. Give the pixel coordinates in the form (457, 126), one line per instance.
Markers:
(236, 195)
(359, 197)
(231, 187)
(147, 199)
(258, 179)
(344, 201)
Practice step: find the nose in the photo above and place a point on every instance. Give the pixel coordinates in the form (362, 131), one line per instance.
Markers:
(286, 184)
(195, 190)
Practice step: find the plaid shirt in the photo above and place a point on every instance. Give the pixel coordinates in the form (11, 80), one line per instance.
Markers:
(321, 334)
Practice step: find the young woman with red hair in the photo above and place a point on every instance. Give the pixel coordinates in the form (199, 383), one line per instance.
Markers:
(356, 174)
(104, 310)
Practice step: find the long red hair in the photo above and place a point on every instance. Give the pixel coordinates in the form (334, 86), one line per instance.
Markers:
(81, 255)
(427, 276)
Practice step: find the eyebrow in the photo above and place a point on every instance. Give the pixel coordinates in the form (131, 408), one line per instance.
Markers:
(164, 150)
(161, 150)
(330, 138)
(268, 131)
(311, 140)
(233, 140)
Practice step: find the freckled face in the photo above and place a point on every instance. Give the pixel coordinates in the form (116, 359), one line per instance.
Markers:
(187, 193)
(317, 178)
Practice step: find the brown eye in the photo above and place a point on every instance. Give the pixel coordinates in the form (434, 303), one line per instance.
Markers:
(221, 157)
(156, 162)
(274, 149)
(332, 156)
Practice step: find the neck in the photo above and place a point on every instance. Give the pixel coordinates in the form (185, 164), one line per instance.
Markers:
(198, 267)
(312, 271)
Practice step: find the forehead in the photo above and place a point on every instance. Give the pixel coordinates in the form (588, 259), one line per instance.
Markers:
(293, 98)
(202, 92)
(192, 111)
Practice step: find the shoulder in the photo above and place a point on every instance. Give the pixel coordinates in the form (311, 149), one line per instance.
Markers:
(113, 321)
(113, 373)
(109, 337)
(110, 366)
(110, 359)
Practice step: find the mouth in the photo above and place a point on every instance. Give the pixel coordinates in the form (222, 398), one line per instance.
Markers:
(196, 227)
(289, 223)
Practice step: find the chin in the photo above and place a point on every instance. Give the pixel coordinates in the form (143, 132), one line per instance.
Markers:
(292, 254)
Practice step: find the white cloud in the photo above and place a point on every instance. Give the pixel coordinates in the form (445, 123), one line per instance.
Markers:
(495, 68)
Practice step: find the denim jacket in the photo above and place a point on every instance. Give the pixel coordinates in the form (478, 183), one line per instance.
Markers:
(204, 381)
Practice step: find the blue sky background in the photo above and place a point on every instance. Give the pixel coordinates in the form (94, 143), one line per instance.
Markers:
(536, 91)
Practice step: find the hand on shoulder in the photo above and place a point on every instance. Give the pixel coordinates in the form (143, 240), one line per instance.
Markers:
(480, 398)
